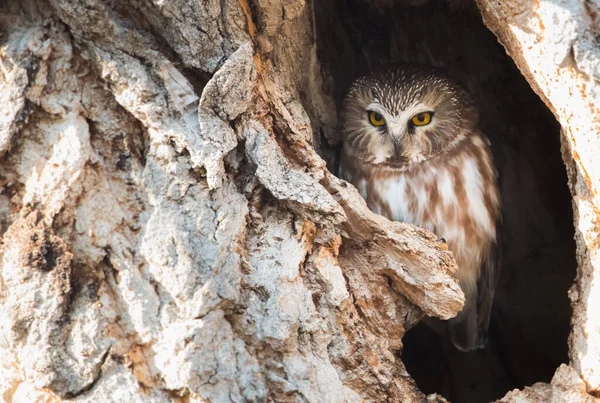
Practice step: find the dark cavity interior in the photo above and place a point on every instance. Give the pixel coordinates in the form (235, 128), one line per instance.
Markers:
(530, 320)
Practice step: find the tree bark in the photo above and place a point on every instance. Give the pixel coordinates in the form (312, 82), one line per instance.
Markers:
(171, 231)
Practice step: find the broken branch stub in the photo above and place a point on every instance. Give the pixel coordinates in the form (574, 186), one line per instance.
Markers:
(418, 268)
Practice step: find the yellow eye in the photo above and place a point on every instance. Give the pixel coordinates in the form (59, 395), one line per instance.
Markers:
(376, 119)
(421, 119)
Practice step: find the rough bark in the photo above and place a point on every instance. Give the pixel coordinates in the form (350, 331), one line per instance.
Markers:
(171, 233)
(171, 237)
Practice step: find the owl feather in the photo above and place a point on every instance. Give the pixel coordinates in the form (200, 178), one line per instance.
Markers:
(414, 150)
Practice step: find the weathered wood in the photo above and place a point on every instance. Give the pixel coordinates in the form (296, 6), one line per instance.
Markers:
(167, 235)
(170, 232)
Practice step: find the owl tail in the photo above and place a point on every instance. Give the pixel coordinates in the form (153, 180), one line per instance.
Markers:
(467, 333)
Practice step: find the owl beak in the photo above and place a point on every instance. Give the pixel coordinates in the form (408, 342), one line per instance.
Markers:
(396, 136)
(397, 146)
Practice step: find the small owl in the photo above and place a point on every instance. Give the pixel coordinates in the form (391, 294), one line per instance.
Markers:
(414, 150)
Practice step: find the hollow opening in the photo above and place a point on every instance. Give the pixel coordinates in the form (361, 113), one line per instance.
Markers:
(531, 316)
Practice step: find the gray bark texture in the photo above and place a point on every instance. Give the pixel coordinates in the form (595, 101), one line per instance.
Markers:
(170, 233)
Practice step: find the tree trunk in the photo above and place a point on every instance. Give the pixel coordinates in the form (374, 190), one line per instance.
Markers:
(172, 232)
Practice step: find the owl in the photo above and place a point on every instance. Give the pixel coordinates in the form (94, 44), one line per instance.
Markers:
(413, 148)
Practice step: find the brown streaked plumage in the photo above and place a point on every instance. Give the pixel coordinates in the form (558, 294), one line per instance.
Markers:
(439, 175)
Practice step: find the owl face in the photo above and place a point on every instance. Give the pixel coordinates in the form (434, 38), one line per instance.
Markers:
(396, 117)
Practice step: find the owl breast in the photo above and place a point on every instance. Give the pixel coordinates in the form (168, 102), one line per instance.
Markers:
(454, 195)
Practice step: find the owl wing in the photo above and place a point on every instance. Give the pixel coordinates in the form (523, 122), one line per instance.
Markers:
(486, 285)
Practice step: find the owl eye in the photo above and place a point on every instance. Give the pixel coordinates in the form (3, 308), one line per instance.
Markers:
(421, 119)
(376, 119)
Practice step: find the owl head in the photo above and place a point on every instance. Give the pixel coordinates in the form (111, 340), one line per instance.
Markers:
(402, 115)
